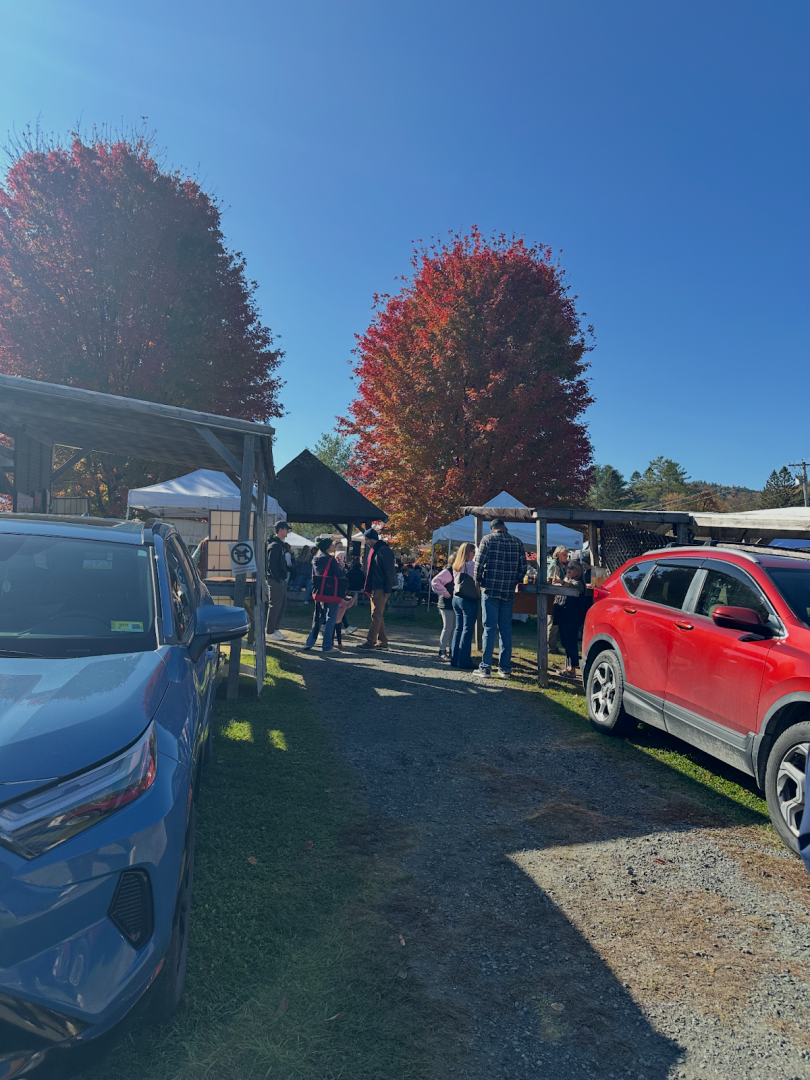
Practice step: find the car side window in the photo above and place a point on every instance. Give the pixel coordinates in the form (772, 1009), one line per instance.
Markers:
(182, 591)
(668, 585)
(633, 577)
(725, 590)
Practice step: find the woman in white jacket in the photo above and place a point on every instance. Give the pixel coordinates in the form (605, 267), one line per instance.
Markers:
(442, 585)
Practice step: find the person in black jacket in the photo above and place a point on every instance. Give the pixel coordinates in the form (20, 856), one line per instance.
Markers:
(277, 581)
(324, 565)
(380, 580)
(569, 615)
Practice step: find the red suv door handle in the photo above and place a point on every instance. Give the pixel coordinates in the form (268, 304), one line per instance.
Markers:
(684, 626)
(630, 611)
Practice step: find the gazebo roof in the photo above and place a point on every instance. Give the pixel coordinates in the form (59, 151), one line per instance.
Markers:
(116, 425)
(311, 492)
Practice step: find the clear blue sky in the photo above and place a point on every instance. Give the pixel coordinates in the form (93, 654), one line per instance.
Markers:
(663, 146)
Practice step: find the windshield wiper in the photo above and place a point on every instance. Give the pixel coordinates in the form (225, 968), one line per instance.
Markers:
(18, 652)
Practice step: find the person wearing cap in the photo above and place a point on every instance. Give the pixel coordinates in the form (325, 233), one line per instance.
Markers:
(500, 564)
(325, 615)
(277, 572)
(381, 577)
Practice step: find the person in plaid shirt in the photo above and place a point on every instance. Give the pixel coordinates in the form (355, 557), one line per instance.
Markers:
(500, 564)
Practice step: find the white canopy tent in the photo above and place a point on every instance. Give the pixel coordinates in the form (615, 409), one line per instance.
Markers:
(297, 541)
(463, 530)
(193, 496)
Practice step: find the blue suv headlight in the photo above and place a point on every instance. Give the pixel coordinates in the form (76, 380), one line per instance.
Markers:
(40, 821)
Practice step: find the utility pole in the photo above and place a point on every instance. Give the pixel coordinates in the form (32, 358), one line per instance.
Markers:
(803, 466)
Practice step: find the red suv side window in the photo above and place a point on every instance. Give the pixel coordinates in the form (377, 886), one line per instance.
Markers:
(633, 578)
(727, 591)
(668, 585)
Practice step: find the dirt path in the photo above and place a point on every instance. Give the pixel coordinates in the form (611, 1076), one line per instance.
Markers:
(584, 910)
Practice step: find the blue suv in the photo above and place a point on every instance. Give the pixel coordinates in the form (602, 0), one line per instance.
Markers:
(108, 662)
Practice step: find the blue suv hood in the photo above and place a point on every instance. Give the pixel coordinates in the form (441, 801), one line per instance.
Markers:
(58, 717)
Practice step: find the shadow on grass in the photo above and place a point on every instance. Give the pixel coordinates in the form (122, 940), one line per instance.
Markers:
(292, 971)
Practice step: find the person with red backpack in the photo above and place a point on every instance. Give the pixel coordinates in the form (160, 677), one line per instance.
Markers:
(328, 590)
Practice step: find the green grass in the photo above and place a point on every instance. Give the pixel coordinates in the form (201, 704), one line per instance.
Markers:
(714, 776)
(300, 924)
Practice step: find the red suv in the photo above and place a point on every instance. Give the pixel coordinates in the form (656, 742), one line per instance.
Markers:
(711, 644)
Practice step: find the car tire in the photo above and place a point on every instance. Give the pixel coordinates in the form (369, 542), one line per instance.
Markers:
(785, 782)
(168, 989)
(604, 694)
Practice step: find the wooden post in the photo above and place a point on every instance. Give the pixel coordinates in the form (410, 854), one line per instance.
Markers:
(542, 604)
(245, 500)
(479, 622)
(260, 596)
(593, 542)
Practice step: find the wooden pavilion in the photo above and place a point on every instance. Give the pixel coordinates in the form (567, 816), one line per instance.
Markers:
(610, 534)
(311, 492)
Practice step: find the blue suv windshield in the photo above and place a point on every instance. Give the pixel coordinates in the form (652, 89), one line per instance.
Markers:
(63, 597)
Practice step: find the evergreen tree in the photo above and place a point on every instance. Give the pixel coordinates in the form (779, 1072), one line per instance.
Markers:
(334, 451)
(663, 477)
(780, 490)
(608, 488)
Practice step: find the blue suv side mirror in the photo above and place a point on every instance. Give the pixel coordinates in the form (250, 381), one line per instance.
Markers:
(214, 623)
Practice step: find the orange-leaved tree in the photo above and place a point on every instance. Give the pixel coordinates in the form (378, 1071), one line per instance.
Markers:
(471, 381)
(115, 276)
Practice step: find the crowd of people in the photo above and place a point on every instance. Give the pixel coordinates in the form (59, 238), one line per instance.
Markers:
(485, 578)
(332, 586)
(488, 578)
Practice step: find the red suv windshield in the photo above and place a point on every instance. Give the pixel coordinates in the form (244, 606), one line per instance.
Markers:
(794, 585)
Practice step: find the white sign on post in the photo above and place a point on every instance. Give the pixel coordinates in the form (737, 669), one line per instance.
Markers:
(243, 557)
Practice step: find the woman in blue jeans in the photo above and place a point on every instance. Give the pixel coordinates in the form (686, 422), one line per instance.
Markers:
(465, 607)
(324, 565)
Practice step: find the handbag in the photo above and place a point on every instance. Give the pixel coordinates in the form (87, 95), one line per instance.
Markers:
(465, 587)
(326, 589)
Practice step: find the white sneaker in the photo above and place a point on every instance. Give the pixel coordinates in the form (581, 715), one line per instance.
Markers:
(350, 630)
(278, 636)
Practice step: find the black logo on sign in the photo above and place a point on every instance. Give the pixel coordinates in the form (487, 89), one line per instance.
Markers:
(242, 554)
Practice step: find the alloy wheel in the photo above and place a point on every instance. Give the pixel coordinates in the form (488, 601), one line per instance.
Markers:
(603, 691)
(790, 785)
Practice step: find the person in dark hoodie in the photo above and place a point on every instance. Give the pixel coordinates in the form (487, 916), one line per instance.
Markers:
(380, 580)
(277, 571)
(324, 565)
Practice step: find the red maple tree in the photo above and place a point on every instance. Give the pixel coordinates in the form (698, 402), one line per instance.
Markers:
(471, 381)
(115, 276)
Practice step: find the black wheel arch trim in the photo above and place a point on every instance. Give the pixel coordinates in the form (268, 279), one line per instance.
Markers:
(607, 639)
(766, 737)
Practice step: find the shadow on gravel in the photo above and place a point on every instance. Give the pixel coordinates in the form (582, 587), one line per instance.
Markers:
(479, 773)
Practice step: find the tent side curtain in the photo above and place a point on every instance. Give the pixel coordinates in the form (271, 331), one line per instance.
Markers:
(463, 530)
(192, 495)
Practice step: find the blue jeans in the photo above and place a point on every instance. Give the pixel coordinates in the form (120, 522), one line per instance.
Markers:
(497, 619)
(461, 647)
(326, 614)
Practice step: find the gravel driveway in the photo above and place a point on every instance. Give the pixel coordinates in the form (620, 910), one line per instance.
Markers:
(582, 909)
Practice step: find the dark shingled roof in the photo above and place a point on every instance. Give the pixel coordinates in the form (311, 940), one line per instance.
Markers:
(310, 491)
